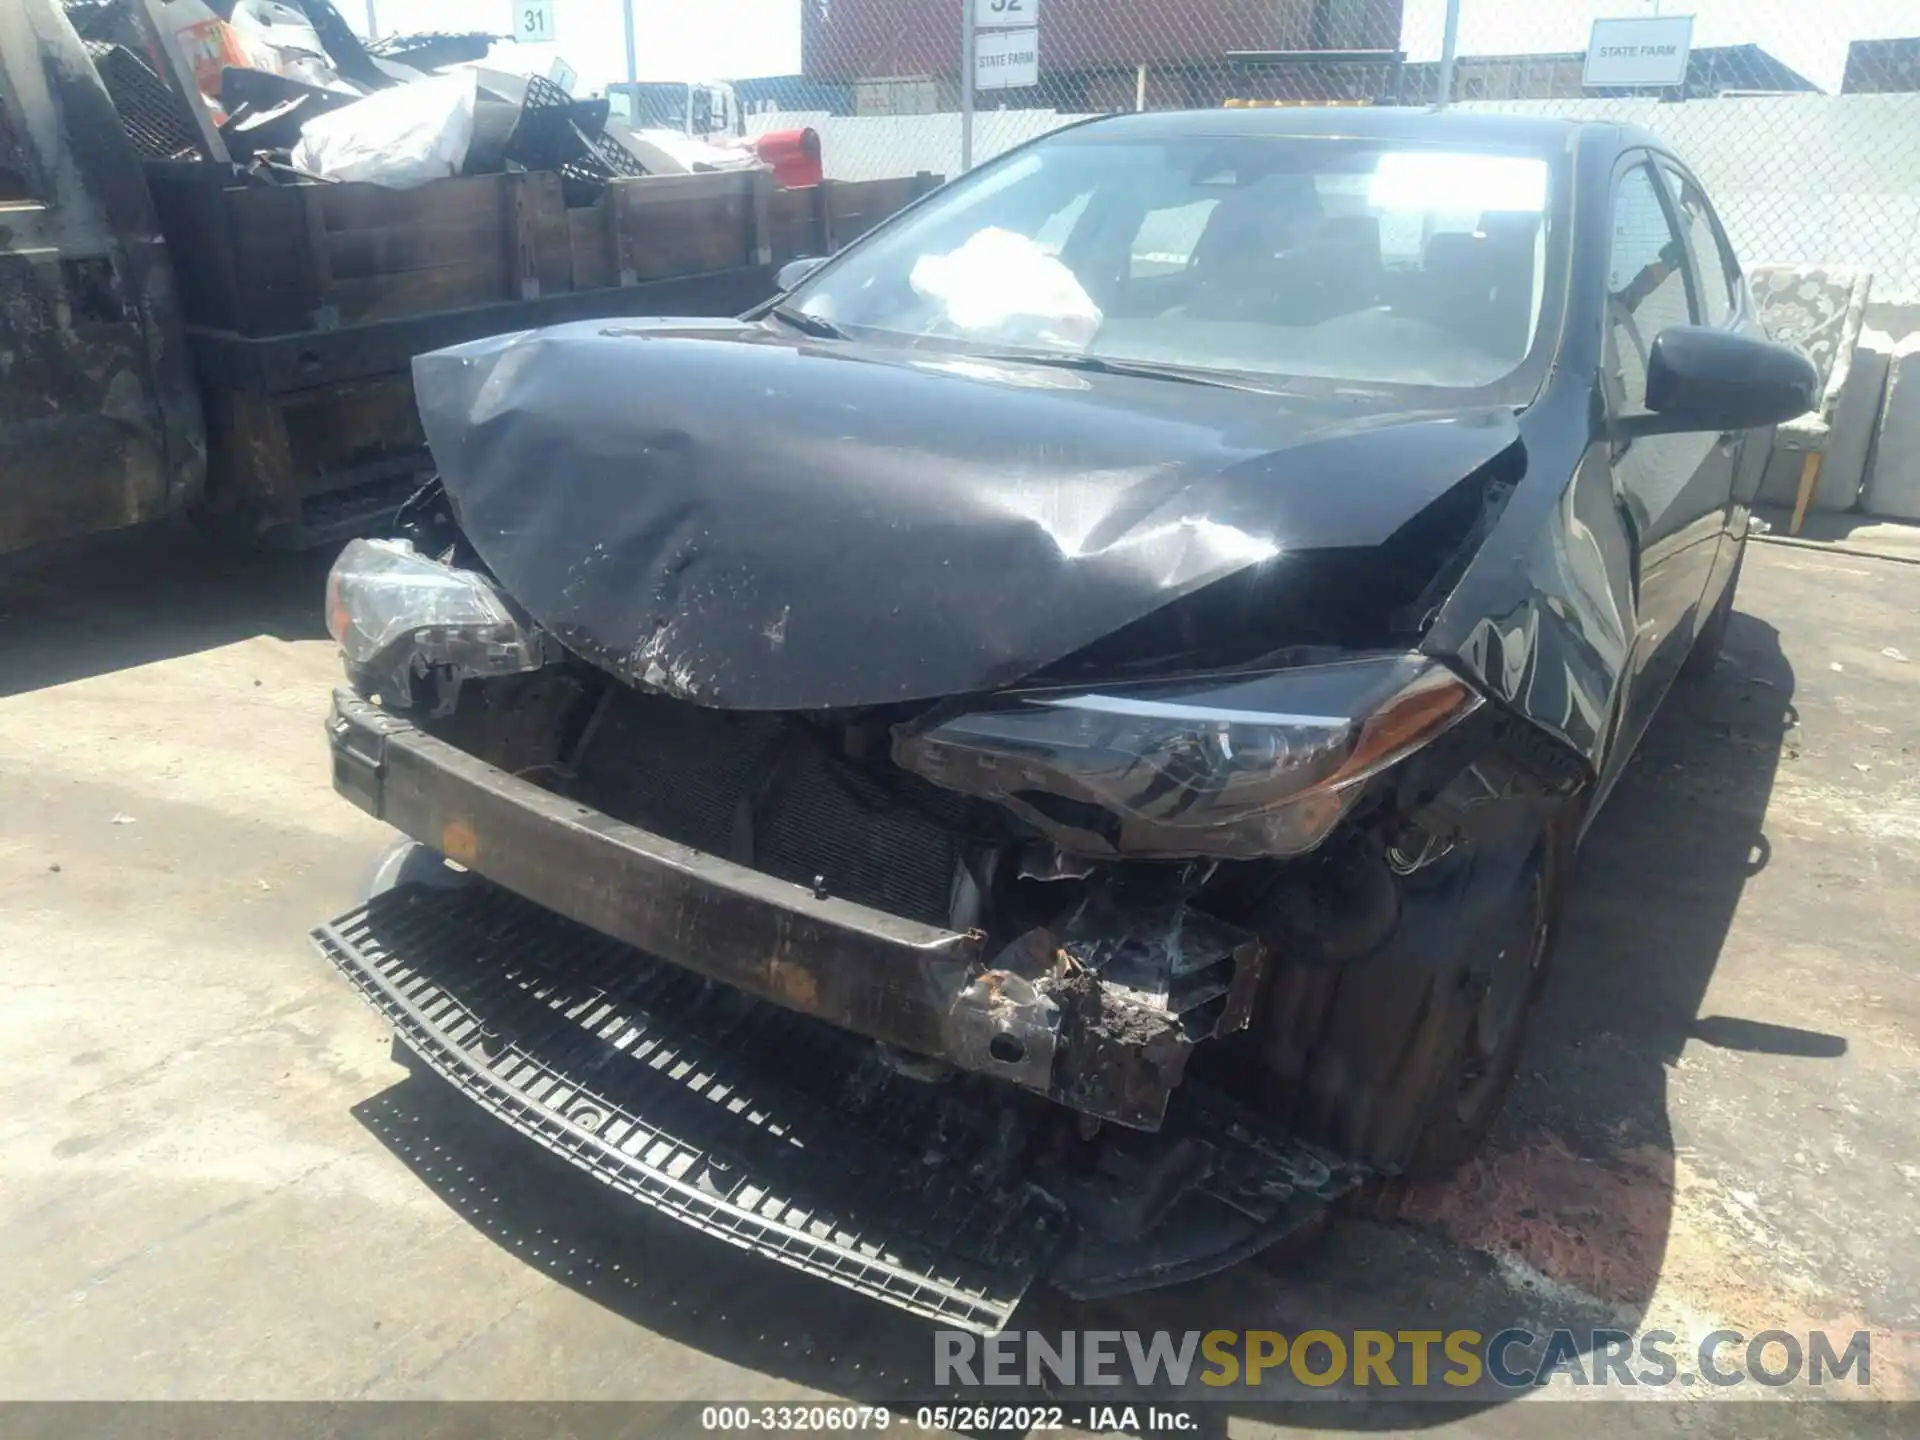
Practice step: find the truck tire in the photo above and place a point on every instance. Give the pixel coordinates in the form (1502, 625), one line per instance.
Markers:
(1401, 1058)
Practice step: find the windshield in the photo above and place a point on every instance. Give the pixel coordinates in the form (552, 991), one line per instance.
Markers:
(651, 104)
(1333, 259)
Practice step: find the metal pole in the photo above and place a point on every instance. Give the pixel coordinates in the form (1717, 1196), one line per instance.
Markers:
(1140, 89)
(373, 22)
(633, 54)
(966, 86)
(1449, 49)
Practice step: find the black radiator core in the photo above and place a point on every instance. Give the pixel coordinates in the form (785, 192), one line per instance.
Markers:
(766, 792)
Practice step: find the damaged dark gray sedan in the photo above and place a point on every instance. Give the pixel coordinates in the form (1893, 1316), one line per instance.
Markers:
(1055, 750)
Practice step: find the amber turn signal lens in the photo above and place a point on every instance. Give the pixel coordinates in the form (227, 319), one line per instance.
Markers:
(1407, 721)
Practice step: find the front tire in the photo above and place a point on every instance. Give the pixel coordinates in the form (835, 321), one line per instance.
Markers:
(1400, 1057)
(1473, 1089)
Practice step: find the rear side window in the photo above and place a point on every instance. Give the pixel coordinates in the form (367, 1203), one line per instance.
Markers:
(1646, 286)
(1709, 255)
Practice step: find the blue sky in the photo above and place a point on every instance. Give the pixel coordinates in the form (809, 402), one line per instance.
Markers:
(722, 39)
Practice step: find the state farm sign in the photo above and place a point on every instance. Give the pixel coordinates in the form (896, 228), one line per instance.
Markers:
(1649, 50)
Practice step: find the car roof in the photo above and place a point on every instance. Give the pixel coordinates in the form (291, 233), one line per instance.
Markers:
(1402, 123)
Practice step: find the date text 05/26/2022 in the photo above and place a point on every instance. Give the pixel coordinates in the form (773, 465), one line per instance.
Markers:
(1018, 1419)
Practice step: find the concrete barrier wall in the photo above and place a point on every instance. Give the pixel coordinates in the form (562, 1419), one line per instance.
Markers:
(1893, 469)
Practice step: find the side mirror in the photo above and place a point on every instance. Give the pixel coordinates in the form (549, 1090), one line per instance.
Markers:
(794, 271)
(1710, 380)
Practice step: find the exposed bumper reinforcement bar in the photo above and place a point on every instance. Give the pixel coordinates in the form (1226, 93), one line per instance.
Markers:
(764, 936)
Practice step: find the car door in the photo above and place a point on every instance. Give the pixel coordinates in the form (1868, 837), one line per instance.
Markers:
(1674, 490)
(1727, 304)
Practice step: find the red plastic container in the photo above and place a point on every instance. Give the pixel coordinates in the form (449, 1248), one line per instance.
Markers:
(794, 156)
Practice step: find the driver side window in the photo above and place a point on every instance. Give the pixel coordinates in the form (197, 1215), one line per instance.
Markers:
(1646, 287)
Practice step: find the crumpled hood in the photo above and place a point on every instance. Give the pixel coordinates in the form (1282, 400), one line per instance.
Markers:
(754, 521)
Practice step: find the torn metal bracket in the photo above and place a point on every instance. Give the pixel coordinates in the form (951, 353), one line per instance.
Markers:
(1002, 1025)
(1102, 1013)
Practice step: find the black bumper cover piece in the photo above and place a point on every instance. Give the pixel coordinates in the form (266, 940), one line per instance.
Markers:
(771, 1131)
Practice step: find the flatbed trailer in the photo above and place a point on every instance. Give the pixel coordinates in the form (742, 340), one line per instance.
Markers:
(183, 336)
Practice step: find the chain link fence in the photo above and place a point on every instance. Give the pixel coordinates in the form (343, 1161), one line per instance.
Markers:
(1804, 121)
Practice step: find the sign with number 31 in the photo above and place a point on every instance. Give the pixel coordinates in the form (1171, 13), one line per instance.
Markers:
(533, 21)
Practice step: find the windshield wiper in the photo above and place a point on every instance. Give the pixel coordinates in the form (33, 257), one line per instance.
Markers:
(1144, 369)
(807, 324)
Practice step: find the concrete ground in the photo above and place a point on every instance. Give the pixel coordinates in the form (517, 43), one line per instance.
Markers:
(214, 1183)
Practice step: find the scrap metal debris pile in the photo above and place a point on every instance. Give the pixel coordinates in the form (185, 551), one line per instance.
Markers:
(286, 91)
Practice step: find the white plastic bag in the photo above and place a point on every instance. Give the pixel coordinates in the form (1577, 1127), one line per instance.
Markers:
(399, 138)
(1003, 283)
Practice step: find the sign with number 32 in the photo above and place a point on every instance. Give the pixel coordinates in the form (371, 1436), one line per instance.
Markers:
(533, 21)
(1005, 14)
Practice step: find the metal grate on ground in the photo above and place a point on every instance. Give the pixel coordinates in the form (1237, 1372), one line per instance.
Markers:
(760, 1127)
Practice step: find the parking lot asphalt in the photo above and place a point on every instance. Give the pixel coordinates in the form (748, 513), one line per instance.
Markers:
(216, 1183)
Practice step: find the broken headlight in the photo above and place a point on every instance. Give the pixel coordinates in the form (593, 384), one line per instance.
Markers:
(1230, 766)
(396, 614)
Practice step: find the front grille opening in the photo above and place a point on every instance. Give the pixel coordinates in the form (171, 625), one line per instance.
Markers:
(763, 791)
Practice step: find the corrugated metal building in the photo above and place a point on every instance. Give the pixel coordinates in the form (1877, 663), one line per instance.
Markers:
(1882, 67)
